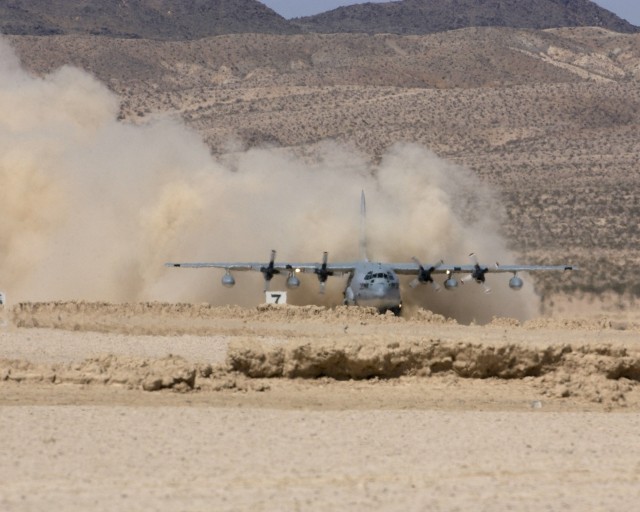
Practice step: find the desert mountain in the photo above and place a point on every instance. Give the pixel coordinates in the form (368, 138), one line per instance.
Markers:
(146, 19)
(430, 16)
(195, 19)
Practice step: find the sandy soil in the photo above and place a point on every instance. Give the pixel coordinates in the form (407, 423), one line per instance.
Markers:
(165, 407)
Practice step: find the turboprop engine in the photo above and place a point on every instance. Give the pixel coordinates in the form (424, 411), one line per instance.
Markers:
(293, 281)
(515, 283)
(451, 283)
(228, 280)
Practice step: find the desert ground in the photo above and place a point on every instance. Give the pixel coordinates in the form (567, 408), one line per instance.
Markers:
(194, 407)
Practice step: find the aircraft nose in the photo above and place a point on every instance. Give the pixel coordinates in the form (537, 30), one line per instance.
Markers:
(379, 289)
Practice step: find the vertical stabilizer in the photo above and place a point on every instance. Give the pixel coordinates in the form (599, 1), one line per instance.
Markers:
(363, 228)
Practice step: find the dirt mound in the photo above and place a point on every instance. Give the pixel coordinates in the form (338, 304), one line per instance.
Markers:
(599, 374)
(371, 357)
(338, 314)
(591, 324)
(596, 373)
(148, 374)
(429, 317)
(159, 318)
(312, 342)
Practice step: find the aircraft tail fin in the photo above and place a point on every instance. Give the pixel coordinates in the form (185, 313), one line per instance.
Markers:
(363, 228)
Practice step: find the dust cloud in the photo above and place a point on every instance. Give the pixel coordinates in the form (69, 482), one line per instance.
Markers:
(92, 207)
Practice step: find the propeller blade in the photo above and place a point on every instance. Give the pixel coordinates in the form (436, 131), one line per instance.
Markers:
(323, 286)
(487, 289)
(436, 286)
(424, 274)
(268, 272)
(478, 273)
(322, 272)
(466, 278)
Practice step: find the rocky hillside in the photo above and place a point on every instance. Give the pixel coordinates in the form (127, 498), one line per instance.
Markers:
(430, 16)
(196, 19)
(146, 19)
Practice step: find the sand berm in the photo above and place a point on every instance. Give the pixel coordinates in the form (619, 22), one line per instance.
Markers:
(233, 348)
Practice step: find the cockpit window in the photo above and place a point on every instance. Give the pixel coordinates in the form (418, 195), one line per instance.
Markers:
(389, 277)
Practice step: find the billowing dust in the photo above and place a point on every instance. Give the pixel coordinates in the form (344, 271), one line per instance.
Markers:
(92, 207)
(586, 360)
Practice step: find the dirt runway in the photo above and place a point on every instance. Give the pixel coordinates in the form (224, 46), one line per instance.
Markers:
(165, 407)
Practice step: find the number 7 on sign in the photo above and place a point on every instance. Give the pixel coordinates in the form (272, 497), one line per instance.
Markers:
(276, 297)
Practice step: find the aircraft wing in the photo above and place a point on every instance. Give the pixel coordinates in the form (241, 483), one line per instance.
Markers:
(307, 268)
(345, 268)
(525, 268)
(322, 270)
(414, 268)
(423, 273)
(311, 268)
(227, 266)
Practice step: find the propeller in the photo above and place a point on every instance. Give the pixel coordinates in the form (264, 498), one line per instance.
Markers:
(269, 271)
(424, 275)
(323, 273)
(478, 274)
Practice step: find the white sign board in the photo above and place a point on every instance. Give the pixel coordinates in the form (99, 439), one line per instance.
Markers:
(3, 298)
(276, 297)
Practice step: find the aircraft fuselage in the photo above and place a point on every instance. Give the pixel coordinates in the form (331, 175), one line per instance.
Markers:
(374, 285)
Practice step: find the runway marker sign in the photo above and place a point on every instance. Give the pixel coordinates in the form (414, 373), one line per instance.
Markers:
(276, 297)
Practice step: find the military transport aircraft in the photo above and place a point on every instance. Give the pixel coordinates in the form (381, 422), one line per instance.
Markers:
(373, 284)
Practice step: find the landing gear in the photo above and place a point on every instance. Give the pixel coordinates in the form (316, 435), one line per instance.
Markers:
(395, 310)
(349, 297)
